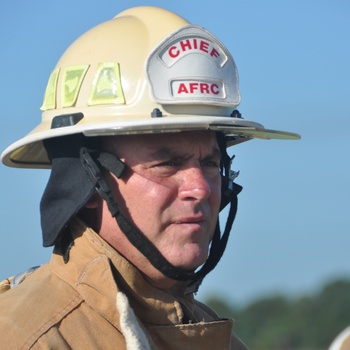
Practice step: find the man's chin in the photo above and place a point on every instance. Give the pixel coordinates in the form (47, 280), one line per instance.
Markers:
(190, 263)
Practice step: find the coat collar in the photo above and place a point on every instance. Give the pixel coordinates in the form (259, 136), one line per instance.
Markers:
(98, 272)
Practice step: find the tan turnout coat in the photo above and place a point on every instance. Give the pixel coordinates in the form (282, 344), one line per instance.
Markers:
(98, 300)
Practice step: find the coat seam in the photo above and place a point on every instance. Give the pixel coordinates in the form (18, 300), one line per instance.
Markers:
(50, 322)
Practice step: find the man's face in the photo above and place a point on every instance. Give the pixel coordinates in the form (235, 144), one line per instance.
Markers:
(170, 191)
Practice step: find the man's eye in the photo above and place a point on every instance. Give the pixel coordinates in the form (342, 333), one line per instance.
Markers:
(169, 163)
(211, 164)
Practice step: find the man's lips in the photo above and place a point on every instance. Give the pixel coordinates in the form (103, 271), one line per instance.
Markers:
(190, 220)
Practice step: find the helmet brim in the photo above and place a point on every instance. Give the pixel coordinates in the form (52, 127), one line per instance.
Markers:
(29, 151)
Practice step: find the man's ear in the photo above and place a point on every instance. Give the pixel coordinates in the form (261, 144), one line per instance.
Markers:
(94, 202)
(91, 214)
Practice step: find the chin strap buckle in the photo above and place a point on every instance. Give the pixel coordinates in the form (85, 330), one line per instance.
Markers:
(95, 174)
(229, 187)
(232, 175)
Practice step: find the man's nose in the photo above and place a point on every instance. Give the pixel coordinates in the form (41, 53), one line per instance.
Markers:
(194, 184)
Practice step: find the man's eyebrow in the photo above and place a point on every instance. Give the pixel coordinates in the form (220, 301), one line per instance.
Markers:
(167, 152)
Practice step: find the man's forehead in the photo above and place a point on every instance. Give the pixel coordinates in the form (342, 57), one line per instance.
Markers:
(176, 151)
(164, 140)
(171, 145)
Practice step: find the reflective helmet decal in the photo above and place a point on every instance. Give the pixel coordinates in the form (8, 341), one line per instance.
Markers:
(50, 92)
(106, 87)
(72, 79)
(191, 66)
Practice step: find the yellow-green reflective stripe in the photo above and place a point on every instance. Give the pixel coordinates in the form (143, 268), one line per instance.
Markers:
(106, 87)
(72, 79)
(50, 92)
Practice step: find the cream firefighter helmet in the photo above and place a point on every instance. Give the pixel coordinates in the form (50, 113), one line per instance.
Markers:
(145, 71)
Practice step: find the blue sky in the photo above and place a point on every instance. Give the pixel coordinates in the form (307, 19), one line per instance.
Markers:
(291, 234)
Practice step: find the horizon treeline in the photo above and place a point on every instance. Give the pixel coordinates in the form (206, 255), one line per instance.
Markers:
(278, 322)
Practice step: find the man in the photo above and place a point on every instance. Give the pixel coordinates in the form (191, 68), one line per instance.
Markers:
(137, 116)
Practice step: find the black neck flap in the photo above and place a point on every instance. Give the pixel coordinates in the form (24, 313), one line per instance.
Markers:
(68, 189)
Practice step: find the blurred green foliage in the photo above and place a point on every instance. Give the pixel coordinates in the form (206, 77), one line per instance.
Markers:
(281, 323)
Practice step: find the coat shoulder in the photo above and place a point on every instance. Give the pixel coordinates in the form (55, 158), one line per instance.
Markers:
(33, 306)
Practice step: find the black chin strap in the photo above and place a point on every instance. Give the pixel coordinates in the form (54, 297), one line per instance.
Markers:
(93, 161)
